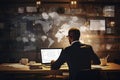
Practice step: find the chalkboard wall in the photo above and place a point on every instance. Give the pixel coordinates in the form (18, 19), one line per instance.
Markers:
(24, 30)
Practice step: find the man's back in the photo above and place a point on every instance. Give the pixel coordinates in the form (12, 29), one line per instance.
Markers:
(78, 58)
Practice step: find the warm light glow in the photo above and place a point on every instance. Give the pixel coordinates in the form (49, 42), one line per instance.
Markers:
(73, 2)
(108, 46)
(112, 23)
(38, 2)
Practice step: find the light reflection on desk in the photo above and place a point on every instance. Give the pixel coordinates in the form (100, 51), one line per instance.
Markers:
(109, 66)
(18, 66)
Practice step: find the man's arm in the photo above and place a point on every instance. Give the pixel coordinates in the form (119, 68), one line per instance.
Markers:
(56, 64)
(94, 57)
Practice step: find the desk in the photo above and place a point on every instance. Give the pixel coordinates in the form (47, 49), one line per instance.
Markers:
(108, 67)
(17, 68)
(20, 67)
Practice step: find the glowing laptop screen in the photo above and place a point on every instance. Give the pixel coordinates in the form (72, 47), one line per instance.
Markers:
(48, 54)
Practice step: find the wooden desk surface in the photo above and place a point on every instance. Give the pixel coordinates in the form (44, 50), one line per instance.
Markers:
(108, 67)
(19, 68)
(17, 71)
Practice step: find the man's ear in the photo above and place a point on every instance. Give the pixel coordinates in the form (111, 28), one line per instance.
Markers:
(52, 61)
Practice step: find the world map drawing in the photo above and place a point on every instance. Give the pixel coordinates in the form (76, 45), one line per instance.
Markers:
(45, 29)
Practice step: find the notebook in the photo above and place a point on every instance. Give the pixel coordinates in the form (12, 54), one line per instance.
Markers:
(49, 54)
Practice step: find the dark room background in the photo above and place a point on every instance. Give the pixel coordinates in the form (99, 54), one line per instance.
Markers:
(26, 28)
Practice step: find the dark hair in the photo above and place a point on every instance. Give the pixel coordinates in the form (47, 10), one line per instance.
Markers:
(74, 33)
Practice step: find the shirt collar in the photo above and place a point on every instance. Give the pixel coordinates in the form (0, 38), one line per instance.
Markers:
(74, 42)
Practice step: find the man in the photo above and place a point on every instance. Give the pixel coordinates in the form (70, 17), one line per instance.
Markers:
(78, 56)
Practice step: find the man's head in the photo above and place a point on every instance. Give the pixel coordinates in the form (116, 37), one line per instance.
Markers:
(73, 34)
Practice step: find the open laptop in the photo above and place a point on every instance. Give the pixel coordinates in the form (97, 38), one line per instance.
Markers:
(49, 54)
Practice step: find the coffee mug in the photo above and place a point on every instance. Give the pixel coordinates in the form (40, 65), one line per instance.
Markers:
(24, 61)
(103, 61)
(32, 62)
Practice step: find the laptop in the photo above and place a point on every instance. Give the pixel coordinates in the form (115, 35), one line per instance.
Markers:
(49, 54)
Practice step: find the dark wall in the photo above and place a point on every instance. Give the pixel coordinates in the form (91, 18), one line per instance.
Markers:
(24, 34)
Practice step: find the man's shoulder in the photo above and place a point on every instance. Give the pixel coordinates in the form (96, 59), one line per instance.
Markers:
(81, 46)
(85, 46)
(67, 47)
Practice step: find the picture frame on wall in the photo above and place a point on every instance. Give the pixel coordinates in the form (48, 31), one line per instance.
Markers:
(97, 25)
(109, 11)
(108, 30)
(21, 9)
(110, 26)
(31, 9)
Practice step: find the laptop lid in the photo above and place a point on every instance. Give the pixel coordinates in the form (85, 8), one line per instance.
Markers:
(48, 54)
